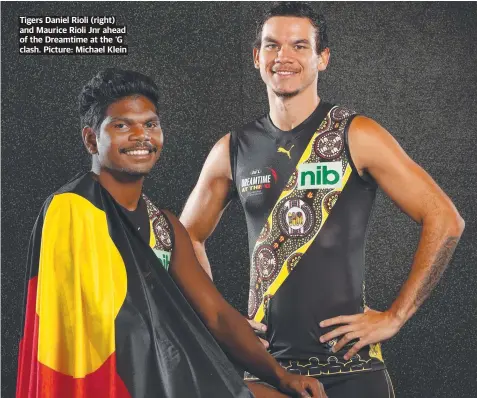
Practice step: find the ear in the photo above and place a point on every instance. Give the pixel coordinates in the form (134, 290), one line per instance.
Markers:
(89, 140)
(256, 57)
(324, 58)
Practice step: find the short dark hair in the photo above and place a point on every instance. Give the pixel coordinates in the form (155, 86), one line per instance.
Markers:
(296, 9)
(108, 86)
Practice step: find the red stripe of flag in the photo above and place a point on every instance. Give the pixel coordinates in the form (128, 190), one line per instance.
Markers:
(36, 380)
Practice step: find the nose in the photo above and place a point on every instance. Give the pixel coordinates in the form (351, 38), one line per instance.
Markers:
(284, 54)
(139, 133)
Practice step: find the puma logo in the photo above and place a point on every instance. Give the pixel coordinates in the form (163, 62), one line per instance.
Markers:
(283, 150)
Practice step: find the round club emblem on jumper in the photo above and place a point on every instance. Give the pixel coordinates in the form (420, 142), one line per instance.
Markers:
(292, 181)
(161, 231)
(266, 262)
(340, 113)
(330, 200)
(296, 218)
(329, 145)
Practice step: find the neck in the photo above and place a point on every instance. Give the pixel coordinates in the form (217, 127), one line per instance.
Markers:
(125, 189)
(288, 112)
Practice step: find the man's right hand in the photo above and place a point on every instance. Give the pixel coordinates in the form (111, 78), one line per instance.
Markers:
(261, 329)
(302, 386)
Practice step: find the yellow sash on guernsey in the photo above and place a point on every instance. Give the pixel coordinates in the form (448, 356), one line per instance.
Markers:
(301, 210)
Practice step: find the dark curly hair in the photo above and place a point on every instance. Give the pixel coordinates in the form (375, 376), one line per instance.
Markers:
(295, 9)
(108, 86)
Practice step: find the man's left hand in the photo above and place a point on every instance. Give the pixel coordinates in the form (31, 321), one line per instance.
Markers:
(368, 328)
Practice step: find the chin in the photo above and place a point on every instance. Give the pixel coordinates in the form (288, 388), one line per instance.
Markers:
(136, 172)
(286, 93)
(128, 174)
(140, 169)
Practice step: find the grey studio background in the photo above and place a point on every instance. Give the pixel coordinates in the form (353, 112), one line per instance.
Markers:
(411, 67)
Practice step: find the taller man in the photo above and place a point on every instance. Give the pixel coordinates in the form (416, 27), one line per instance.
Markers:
(306, 175)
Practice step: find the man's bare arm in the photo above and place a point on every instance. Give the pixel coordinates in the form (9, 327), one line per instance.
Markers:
(416, 193)
(374, 150)
(442, 258)
(208, 200)
(206, 204)
(226, 324)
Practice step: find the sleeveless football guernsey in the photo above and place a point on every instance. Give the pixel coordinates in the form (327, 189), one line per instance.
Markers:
(307, 211)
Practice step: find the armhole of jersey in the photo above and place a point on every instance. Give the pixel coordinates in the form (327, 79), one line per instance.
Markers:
(173, 235)
(366, 178)
(233, 163)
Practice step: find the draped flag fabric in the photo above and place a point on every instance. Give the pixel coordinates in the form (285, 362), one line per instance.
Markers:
(103, 318)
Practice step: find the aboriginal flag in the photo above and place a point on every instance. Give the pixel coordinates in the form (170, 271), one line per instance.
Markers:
(103, 317)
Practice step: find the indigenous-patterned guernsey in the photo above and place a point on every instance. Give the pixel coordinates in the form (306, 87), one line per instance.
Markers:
(307, 212)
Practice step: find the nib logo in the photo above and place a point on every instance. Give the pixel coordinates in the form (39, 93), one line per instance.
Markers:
(320, 175)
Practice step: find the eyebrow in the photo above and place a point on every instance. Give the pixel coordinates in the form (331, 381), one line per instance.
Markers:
(269, 39)
(272, 40)
(130, 121)
(304, 41)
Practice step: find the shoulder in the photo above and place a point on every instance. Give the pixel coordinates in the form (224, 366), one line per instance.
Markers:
(339, 111)
(366, 132)
(81, 192)
(78, 198)
(68, 208)
(217, 164)
(223, 144)
(173, 220)
(250, 127)
(177, 227)
(171, 217)
(366, 126)
(79, 183)
(339, 117)
(241, 131)
(371, 143)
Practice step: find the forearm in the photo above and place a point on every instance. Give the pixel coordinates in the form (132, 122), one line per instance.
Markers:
(437, 243)
(239, 341)
(201, 254)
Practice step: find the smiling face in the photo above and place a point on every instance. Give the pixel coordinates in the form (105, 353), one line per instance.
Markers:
(130, 137)
(287, 57)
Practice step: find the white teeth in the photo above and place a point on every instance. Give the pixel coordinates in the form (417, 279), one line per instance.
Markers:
(138, 152)
(285, 73)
